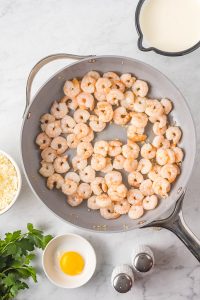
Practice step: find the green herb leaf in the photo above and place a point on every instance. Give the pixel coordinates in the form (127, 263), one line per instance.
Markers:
(16, 253)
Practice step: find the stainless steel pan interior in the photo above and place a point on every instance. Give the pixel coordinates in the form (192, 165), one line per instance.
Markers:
(52, 90)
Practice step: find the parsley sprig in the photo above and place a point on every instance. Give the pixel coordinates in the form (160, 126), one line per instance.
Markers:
(16, 254)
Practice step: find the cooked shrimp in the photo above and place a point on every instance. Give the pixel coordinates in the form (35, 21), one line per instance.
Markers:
(150, 202)
(108, 167)
(154, 108)
(59, 144)
(84, 190)
(135, 197)
(162, 120)
(43, 141)
(103, 200)
(81, 130)
(178, 169)
(140, 88)
(98, 186)
(87, 174)
(69, 187)
(74, 200)
(131, 149)
(108, 213)
(157, 130)
(101, 147)
(67, 124)
(167, 105)
(127, 80)
(148, 151)
(164, 156)
(169, 172)
(98, 162)
(85, 101)
(73, 176)
(48, 154)
(61, 164)
(136, 212)
(161, 186)
(96, 124)
(122, 207)
(135, 178)
(121, 116)
(118, 85)
(113, 177)
(136, 134)
(111, 76)
(71, 88)
(118, 162)
(103, 85)
(55, 181)
(146, 187)
(100, 96)
(70, 102)
(81, 116)
(160, 142)
(154, 173)
(114, 96)
(130, 164)
(72, 141)
(114, 148)
(92, 203)
(178, 154)
(173, 134)
(117, 192)
(84, 150)
(89, 137)
(144, 166)
(140, 104)
(93, 74)
(59, 110)
(46, 169)
(139, 119)
(45, 120)
(78, 163)
(104, 111)
(128, 101)
(53, 129)
(88, 84)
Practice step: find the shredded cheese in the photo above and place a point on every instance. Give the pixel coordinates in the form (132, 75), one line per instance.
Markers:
(8, 182)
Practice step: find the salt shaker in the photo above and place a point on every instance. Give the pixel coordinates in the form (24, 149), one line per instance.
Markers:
(142, 259)
(122, 278)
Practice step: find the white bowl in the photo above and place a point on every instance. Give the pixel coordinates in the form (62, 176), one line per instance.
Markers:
(19, 178)
(64, 243)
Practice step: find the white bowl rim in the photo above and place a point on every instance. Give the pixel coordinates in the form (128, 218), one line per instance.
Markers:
(19, 182)
(79, 237)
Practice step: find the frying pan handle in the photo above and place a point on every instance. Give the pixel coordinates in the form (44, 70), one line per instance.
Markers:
(175, 223)
(42, 63)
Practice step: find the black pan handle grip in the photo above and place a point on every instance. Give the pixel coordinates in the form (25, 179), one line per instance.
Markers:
(42, 63)
(176, 223)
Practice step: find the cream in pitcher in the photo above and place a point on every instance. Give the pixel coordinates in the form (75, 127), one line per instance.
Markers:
(171, 25)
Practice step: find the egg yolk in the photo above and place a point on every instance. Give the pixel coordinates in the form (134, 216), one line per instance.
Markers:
(72, 263)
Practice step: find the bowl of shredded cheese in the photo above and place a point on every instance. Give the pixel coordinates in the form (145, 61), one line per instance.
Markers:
(10, 182)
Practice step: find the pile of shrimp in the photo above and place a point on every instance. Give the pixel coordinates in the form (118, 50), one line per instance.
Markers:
(94, 174)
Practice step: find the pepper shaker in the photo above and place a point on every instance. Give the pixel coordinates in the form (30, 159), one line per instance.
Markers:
(122, 278)
(142, 259)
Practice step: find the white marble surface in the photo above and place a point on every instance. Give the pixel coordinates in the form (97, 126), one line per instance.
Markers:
(30, 30)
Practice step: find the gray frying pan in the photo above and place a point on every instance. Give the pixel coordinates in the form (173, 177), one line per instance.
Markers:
(80, 216)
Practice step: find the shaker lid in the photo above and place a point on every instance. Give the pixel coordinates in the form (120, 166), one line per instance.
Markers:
(142, 259)
(122, 278)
